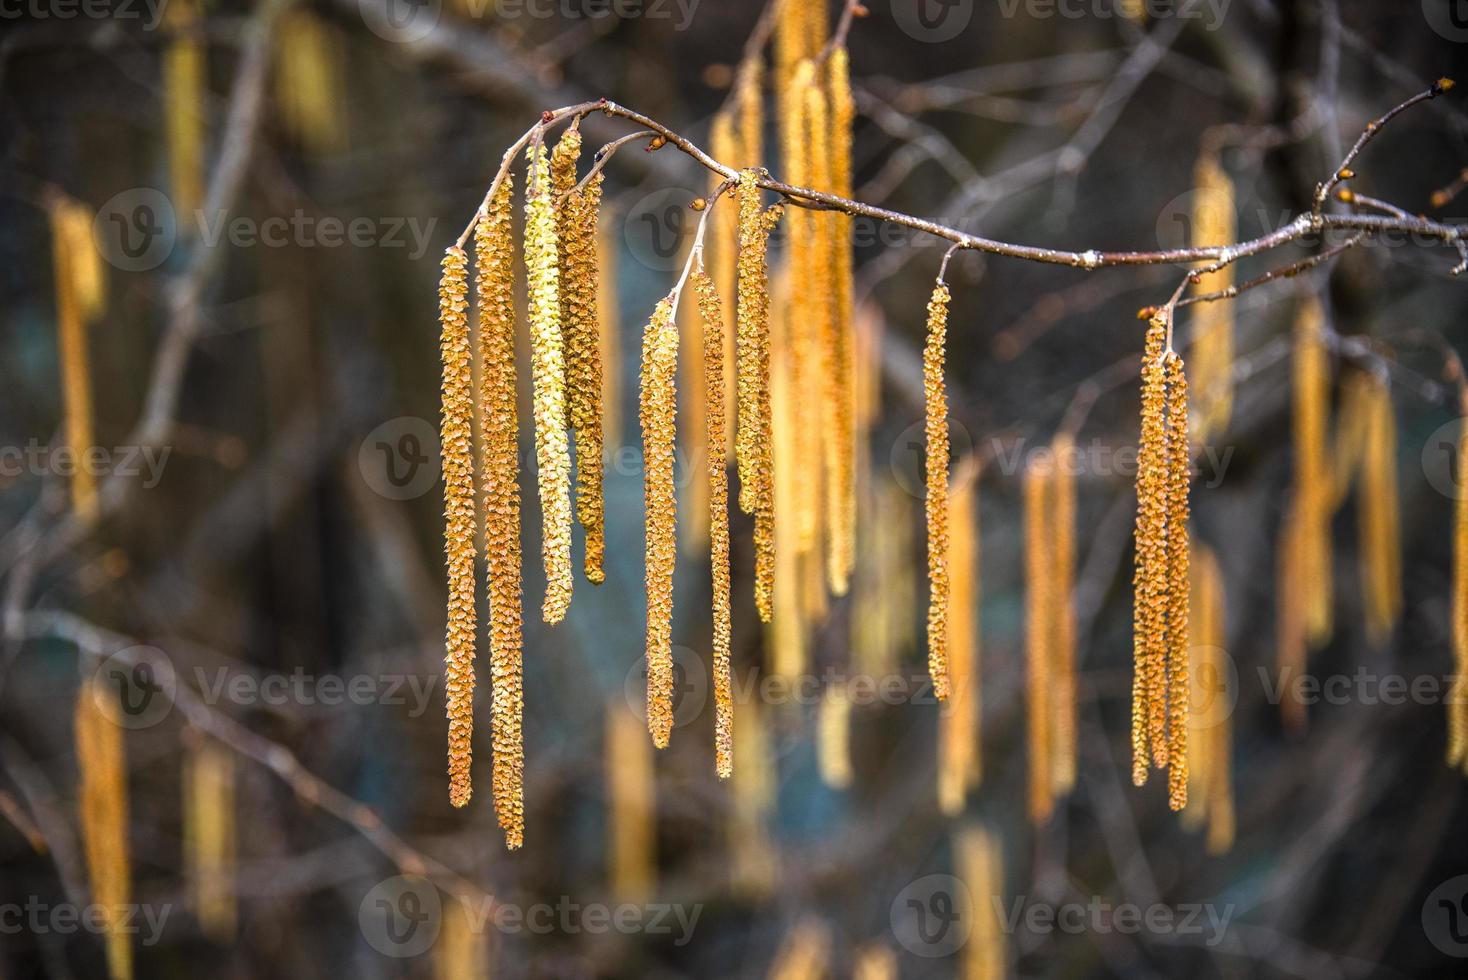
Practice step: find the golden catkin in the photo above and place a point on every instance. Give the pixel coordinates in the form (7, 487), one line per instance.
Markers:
(712, 314)
(1458, 700)
(722, 249)
(1039, 608)
(958, 719)
(753, 868)
(805, 952)
(807, 302)
(843, 521)
(1150, 576)
(935, 464)
(833, 739)
(658, 413)
(500, 484)
(1213, 223)
(980, 866)
(184, 94)
(1354, 419)
(103, 805)
(461, 951)
(209, 836)
(548, 379)
(1381, 559)
(607, 309)
(631, 800)
(1062, 513)
(1209, 776)
(456, 440)
(576, 238)
(1179, 476)
(77, 271)
(788, 631)
(1312, 496)
(749, 103)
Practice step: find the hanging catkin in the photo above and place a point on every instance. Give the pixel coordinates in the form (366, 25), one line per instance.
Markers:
(722, 249)
(1178, 478)
(1213, 324)
(807, 301)
(658, 411)
(1039, 634)
(958, 718)
(631, 799)
(788, 626)
(500, 481)
(712, 314)
(843, 522)
(749, 103)
(1313, 492)
(183, 92)
(461, 951)
(102, 802)
(1381, 559)
(833, 741)
(607, 311)
(980, 866)
(752, 792)
(78, 276)
(307, 91)
(576, 238)
(1458, 699)
(209, 836)
(1210, 792)
(935, 465)
(548, 379)
(455, 437)
(1062, 513)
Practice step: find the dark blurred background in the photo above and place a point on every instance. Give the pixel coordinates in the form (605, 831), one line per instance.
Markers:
(275, 387)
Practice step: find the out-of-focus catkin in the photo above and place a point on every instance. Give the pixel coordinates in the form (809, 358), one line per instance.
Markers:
(712, 314)
(76, 267)
(722, 249)
(842, 533)
(209, 836)
(1381, 558)
(548, 379)
(456, 440)
(307, 87)
(959, 728)
(1458, 701)
(979, 860)
(1313, 491)
(936, 473)
(1210, 781)
(658, 414)
(103, 805)
(500, 483)
(631, 798)
(1213, 325)
(806, 952)
(1039, 634)
(833, 743)
(184, 94)
(1062, 512)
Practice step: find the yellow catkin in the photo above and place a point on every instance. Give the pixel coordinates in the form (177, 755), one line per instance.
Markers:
(936, 472)
(749, 103)
(499, 472)
(1458, 700)
(712, 314)
(209, 837)
(78, 278)
(807, 302)
(658, 413)
(1213, 324)
(307, 91)
(576, 237)
(607, 307)
(184, 93)
(548, 380)
(1381, 559)
(103, 805)
(1354, 419)
(1312, 497)
(461, 951)
(722, 249)
(752, 800)
(631, 799)
(1210, 781)
(1179, 476)
(958, 719)
(456, 440)
(833, 743)
(1039, 633)
(875, 961)
(753, 438)
(805, 953)
(843, 529)
(1149, 579)
(1062, 615)
(788, 631)
(980, 866)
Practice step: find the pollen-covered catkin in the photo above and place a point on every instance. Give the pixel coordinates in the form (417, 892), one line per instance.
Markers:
(712, 313)
(936, 472)
(102, 804)
(500, 484)
(576, 230)
(456, 440)
(843, 530)
(1179, 476)
(548, 379)
(722, 250)
(658, 414)
(1149, 579)
(1312, 501)
(1062, 615)
(1039, 633)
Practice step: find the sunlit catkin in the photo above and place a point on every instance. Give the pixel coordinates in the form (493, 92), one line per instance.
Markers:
(749, 103)
(1212, 352)
(103, 805)
(576, 231)
(77, 271)
(722, 250)
(935, 465)
(1039, 634)
(1150, 576)
(752, 800)
(1381, 559)
(1062, 512)
(843, 368)
(1179, 477)
(712, 314)
(1458, 701)
(807, 302)
(609, 340)
(500, 484)
(456, 440)
(833, 742)
(461, 951)
(959, 718)
(1312, 495)
(631, 801)
(184, 95)
(1210, 790)
(658, 412)
(980, 865)
(548, 379)
(209, 836)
